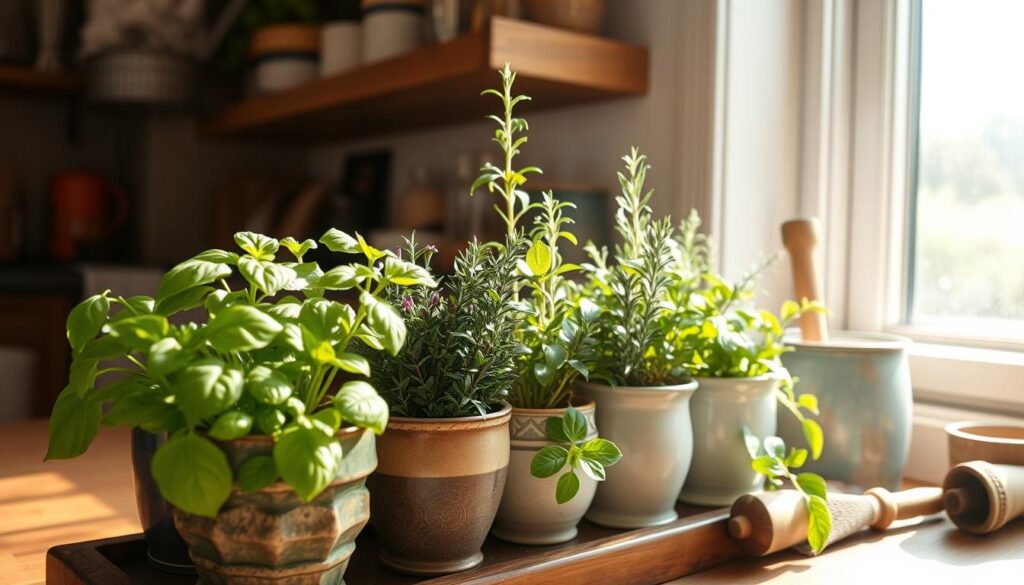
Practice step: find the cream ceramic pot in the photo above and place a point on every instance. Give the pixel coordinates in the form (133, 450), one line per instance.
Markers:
(651, 426)
(528, 513)
(721, 407)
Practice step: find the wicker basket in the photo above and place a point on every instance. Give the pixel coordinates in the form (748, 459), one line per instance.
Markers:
(141, 77)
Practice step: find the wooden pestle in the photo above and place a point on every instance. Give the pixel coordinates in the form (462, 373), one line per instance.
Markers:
(800, 237)
(768, 522)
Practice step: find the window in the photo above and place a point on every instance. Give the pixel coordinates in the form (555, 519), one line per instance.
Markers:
(965, 242)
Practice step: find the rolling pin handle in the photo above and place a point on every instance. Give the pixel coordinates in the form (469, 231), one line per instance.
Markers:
(906, 504)
(740, 528)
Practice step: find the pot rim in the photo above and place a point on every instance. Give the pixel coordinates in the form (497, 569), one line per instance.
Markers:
(962, 430)
(761, 378)
(586, 406)
(487, 420)
(260, 438)
(690, 385)
(853, 341)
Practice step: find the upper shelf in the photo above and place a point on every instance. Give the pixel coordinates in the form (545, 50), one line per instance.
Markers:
(441, 83)
(25, 80)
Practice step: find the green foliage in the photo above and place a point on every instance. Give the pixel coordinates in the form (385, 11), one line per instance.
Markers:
(461, 351)
(771, 460)
(630, 329)
(262, 358)
(590, 458)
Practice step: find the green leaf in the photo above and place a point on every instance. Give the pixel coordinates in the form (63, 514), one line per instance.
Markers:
(554, 355)
(269, 420)
(341, 277)
(241, 328)
(359, 403)
(231, 425)
(574, 425)
(217, 256)
(812, 484)
(775, 447)
(372, 254)
(790, 309)
(548, 461)
(592, 469)
(580, 367)
(267, 386)
(206, 387)
(166, 356)
(298, 249)
(815, 438)
(329, 417)
(555, 430)
(568, 486)
(796, 458)
(538, 258)
(353, 363)
(819, 524)
(307, 460)
(187, 299)
(265, 275)
(339, 241)
(808, 402)
(73, 425)
(405, 273)
(601, 451)
(385, 322)
(193, 474)
(589, 310)
(86, 319)
(321, 318)
(140, 332)
(256, 245)
(751, 441)
(188, 274)
(103, 348)
(142, 406)
(258, 472)
(768, 466)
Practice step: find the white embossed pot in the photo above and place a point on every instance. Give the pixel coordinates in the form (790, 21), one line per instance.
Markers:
(651, 426)
(721, 407)
(528, 513)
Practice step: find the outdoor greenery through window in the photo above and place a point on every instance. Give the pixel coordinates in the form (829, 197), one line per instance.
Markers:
(967, 218)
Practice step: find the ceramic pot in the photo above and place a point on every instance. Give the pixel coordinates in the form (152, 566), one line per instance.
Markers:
(862, 381)
(528, 513)
(341, 45)
(720, 471)
(391, 28)
(651, 426)
(271, 536)
(165, 549)
(437, 490)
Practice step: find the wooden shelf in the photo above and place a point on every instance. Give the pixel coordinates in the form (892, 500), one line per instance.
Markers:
(25, 80)
(441, 84)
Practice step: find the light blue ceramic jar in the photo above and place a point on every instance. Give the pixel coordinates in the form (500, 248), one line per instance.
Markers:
(862, 381)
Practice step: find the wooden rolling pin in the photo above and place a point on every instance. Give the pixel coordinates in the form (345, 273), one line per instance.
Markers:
(768, 522)
(800, 237)
(982, 497)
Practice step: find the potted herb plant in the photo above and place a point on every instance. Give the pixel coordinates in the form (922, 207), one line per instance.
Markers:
(557, 458)
(260, 456)
(733, 351)
(445, 457)
(643, 393)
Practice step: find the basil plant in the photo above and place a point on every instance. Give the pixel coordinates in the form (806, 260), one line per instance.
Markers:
(261, 358)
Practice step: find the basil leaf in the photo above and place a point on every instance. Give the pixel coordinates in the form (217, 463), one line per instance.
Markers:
(206, 387)
(241, 328)
(140, 405)
(267, 386)
(166, 356)
(812, 484)
(567, 487)
(140, 332)
(257, 473)
(265, 275)
(193, 474)
(548, 461)
(574, 425)
(601, 451)
(103, 348)
(405, 273)
(298, 249)
(353, 363)
(385, 322)
(796, 458)
(73, 425)
(256, 245)
(322, 319)
(188, 274)
(270, 421)
(329, 417)
(819, 524)
(86, 319)
(808, 402)
(217, 257)
(359, 404)
(341, 277)
(339, 241)
(555, 431)
(592, 469)
(183, 301)
(231, 425)
(307, 460)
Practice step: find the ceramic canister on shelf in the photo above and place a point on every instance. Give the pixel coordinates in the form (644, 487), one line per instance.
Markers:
(391, 27)
(862, 381)
(341, 46)
(283, 56)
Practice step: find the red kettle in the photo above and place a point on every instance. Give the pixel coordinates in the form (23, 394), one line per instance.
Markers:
(88, 210)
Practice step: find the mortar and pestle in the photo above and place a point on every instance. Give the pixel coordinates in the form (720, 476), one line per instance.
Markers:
(862, 381)
(984, 489)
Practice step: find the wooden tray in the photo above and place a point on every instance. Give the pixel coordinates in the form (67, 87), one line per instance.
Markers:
(697, 541)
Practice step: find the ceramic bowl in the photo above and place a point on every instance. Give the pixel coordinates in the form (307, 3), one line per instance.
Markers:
(995, 443)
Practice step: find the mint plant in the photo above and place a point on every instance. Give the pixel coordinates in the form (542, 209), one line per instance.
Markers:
(771, 459)
(261, 358)
(460, 358)
(591, 457)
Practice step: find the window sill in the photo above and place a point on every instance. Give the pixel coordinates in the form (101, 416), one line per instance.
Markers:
(975, 378)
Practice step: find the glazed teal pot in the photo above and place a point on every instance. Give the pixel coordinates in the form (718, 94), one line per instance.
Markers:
(720, 408)
(862, 381)
(270, 536)
(651, 426)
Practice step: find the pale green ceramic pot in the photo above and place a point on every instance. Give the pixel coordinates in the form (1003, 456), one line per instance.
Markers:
(721, 407)
(651, 426)
(528, 513)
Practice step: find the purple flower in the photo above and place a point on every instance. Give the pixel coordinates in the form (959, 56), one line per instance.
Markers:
(430, 248)
(435, 299)
(407, 304)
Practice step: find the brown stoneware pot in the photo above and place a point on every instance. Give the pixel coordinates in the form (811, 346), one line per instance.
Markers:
(270, 536)
(437, 489)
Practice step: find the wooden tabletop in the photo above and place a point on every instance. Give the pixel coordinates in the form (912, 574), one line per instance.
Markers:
(92, 497)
